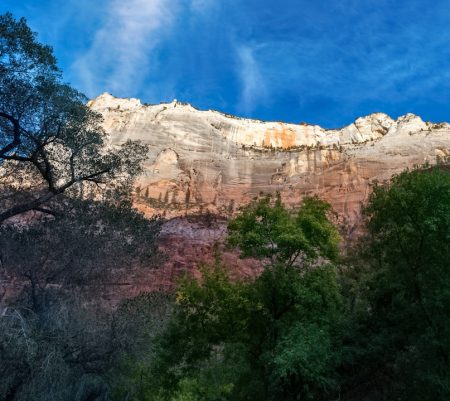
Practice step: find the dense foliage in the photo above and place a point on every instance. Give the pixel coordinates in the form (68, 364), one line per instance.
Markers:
(274, 338)
(403, 339)
(372, 327)
(267, 229)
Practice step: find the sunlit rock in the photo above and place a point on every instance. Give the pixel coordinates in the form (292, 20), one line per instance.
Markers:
(210, 161)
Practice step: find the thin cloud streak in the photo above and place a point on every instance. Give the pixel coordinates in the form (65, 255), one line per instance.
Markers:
(253, 85)
(289, 60)
(119, 58)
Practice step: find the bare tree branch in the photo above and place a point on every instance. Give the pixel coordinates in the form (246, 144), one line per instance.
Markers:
(16, 135)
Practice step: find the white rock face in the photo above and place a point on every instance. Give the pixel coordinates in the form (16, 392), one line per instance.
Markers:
(209, 160)
(108, 101)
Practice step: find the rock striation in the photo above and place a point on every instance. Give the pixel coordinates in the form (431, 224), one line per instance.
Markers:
(210, 161)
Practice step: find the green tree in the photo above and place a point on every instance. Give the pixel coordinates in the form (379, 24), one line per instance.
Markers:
(274, 337)
(50, 142)
(266, 229)
(404, 336)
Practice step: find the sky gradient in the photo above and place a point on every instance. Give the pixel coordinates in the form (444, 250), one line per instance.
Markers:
(323, 62)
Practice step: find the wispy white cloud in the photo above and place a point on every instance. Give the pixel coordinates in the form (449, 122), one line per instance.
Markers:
(254, 89)
(300, 61)
(120, 55)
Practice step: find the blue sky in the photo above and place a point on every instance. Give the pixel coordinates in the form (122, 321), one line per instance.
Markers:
(323, 62)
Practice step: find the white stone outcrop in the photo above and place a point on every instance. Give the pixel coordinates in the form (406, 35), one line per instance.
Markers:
(210, 160)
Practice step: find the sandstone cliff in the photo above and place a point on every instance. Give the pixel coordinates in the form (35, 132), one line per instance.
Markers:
(207, 160)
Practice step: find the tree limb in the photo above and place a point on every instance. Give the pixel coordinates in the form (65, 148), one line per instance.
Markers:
(36, 203)
(16, 136)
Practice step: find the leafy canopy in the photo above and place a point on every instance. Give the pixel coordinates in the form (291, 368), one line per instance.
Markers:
(266, 229)
(274, 337)
(405, 335)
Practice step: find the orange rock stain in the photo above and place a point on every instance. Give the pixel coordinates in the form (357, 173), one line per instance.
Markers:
(279, 136)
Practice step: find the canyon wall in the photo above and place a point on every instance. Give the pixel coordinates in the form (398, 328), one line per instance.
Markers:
(203, 165)
(209, 161)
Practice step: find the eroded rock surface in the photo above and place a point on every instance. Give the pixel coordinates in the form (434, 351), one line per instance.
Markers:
(206, 160)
